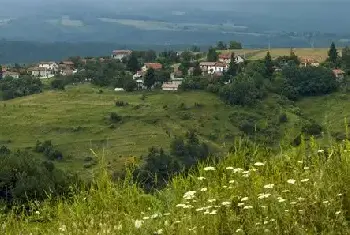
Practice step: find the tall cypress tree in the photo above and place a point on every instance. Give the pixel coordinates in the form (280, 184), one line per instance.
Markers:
(232, 69)
(346, 57)
(332, 54)
(269, 65)
(212, 55)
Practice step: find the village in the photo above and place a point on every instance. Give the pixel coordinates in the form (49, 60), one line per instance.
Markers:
(176, 75)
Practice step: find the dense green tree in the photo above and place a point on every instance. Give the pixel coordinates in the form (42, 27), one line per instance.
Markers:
(332, 54)
(212, 55)
(232, 69)
(221, 45)
(235, 45)
(197, 71)
(133, 64)
(269, 66)
(346, 58)
(11, 88)
(242, 91)
(195, 48)
(58, 83)
(130, 85)
(150, 78)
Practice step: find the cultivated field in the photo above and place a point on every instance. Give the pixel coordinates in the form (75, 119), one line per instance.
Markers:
(319, 54)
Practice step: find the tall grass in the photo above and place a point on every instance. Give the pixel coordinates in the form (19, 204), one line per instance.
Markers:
(301, 191)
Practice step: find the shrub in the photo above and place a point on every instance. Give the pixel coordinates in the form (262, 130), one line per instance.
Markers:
(283, 118)
(185, 116)
(120, 103)
(312, 129)
(182, 106)
(4, 150)
(247, 127)
(198, 105)
(115, 118)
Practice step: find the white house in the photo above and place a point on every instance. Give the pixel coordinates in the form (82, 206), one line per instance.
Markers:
(10, 74)
(239, 59)
(41, 72)
(171, 86)
(226, 58)
(120, 54)
(213, 67)
(53, 66)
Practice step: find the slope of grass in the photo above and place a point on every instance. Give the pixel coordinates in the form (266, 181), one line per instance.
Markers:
(77, 120)
(331, 111)
(300, 191)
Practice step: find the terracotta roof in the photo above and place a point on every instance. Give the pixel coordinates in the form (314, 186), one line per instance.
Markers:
(67, 62)
(225, 56)
(155, 66)
(121, 52)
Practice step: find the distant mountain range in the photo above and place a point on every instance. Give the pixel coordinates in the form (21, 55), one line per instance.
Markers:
(165, 23)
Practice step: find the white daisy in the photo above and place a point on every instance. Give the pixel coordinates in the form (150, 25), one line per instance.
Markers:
(269, 186)
(291, 181)
(138, 223)
(259, 164)
(209, 168)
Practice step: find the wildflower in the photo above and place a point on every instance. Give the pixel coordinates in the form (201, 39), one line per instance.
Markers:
(244, 199)
(254, 169)
(200, 209)
(269, 186)
(154, 216)
(225, 187)
(337, 213)
(304, 180)
(266, 230)
(286, 191)
(272, 220)
(286, 210)
(339, 195)
(206, 212)
(239, 230)
(280, 200)
(293, 203)
(177, 222)
(119, 227)
(301, 199)
(204, 189)
(264, 207)
(213, 212)
(229, 168)
(180, 205)
(201, 178)
(247, 207)
(189, 195)
(306, 168)
(240, 204)
(266, 222)
(63, 228)
(245, 172)
(145, 218)
(325, 202)
(263, 195)
(211, 200)
(237, 170)
(226, 203)
(291, 181)
(138, 223)
(166, 223)
(37, 212)
(259, 164)
(245, 175)
(256, 224)
(166, 214)
(320, 151)
(209, 168)
(232, 181)
(159, 231)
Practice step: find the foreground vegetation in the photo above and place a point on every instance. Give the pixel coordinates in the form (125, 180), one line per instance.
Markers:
(251, 191)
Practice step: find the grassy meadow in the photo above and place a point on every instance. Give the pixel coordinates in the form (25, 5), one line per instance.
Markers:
(77, 120)
(319, 54)
(300, 191)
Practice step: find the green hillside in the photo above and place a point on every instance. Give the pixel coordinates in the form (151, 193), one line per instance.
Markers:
(250, 192)
(78, 119)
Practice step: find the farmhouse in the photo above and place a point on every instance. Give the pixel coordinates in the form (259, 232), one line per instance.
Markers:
(155, 66)
(10, 74)
(213, 67)
(308, 61)
(171, 86)
(226, 58)
(41, 72)
(49, 65)
(120, 54)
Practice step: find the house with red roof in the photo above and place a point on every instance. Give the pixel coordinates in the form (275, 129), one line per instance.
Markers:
(339, 74)
(120, 54)
(155, 66)
(213, 67)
